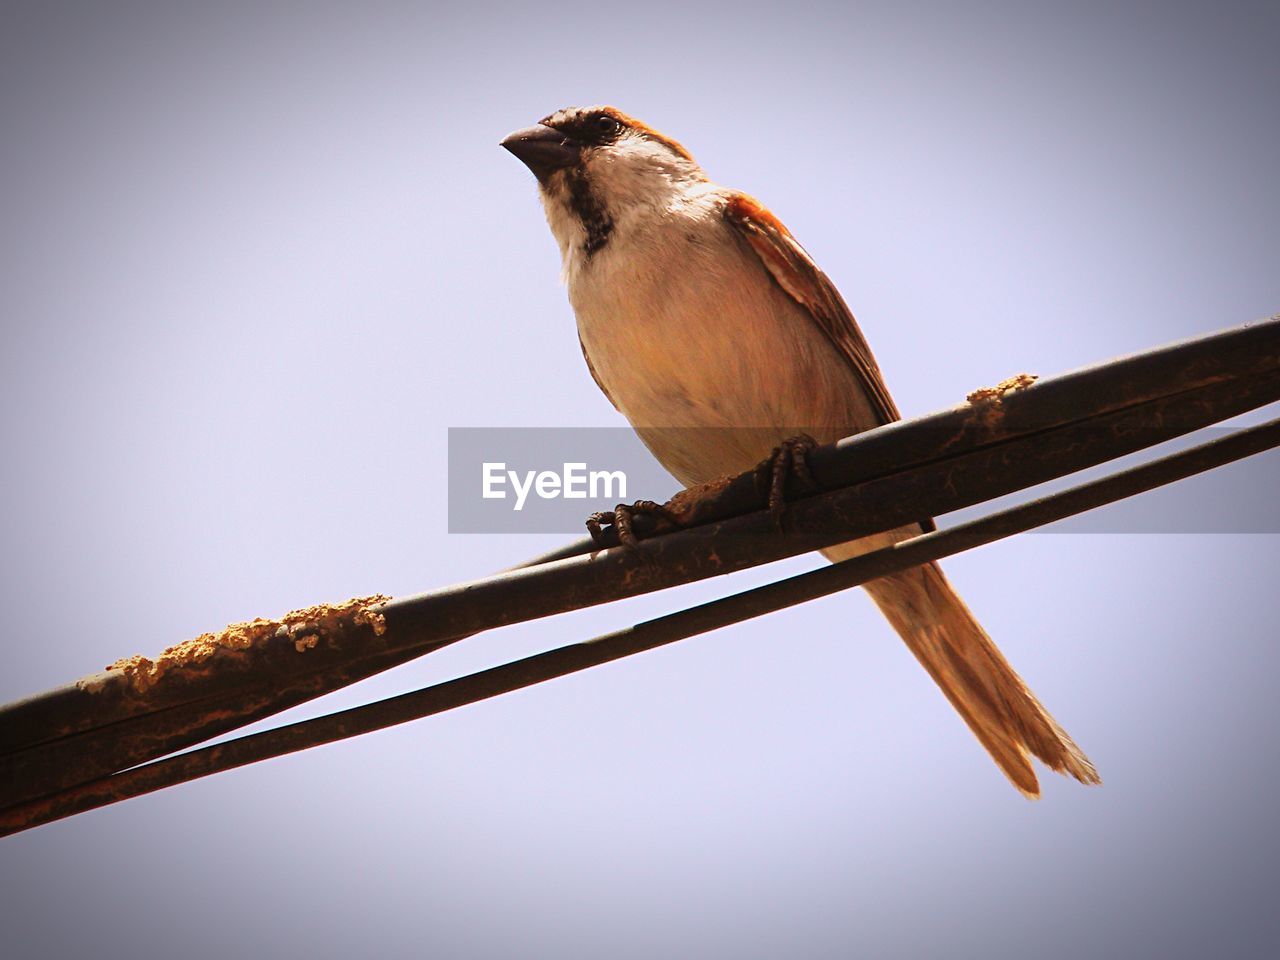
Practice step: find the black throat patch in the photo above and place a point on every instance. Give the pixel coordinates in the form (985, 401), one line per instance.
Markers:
(595, 220)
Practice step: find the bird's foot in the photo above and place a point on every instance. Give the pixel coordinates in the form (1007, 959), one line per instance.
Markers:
(622, 517)
(788, 464)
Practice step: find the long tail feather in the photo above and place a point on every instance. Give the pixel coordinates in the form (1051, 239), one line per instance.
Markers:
(994, 701)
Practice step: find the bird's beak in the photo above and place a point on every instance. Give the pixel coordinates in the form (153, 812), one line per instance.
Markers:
(543, 150)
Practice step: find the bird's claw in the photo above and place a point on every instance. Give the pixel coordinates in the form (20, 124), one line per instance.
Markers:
(622, 517)
(788, 462)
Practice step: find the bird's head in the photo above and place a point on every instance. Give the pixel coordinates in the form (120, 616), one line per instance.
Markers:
(598, 168)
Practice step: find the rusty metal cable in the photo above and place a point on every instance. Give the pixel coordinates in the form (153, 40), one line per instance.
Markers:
(639, 638)
(903, 472)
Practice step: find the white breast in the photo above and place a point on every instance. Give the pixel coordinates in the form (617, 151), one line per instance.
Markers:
(707, 357)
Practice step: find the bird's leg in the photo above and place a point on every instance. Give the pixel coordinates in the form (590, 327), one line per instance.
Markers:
(622, 516)
(787, 463)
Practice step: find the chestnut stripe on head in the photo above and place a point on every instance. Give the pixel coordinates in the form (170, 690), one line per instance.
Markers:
(586, 124)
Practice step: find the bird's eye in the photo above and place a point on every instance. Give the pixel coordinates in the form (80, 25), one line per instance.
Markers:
(606, 125)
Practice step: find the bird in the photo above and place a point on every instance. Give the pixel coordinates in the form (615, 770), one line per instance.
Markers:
(708, 326)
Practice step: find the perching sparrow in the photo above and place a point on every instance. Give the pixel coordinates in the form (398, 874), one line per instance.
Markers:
(697, 308)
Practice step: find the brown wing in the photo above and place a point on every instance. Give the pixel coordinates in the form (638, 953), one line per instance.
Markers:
(796, 273)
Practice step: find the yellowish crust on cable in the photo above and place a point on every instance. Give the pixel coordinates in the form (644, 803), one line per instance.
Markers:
(305, 626)
(1019, 381)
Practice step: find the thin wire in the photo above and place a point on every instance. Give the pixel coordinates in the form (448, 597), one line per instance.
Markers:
(641, 637)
